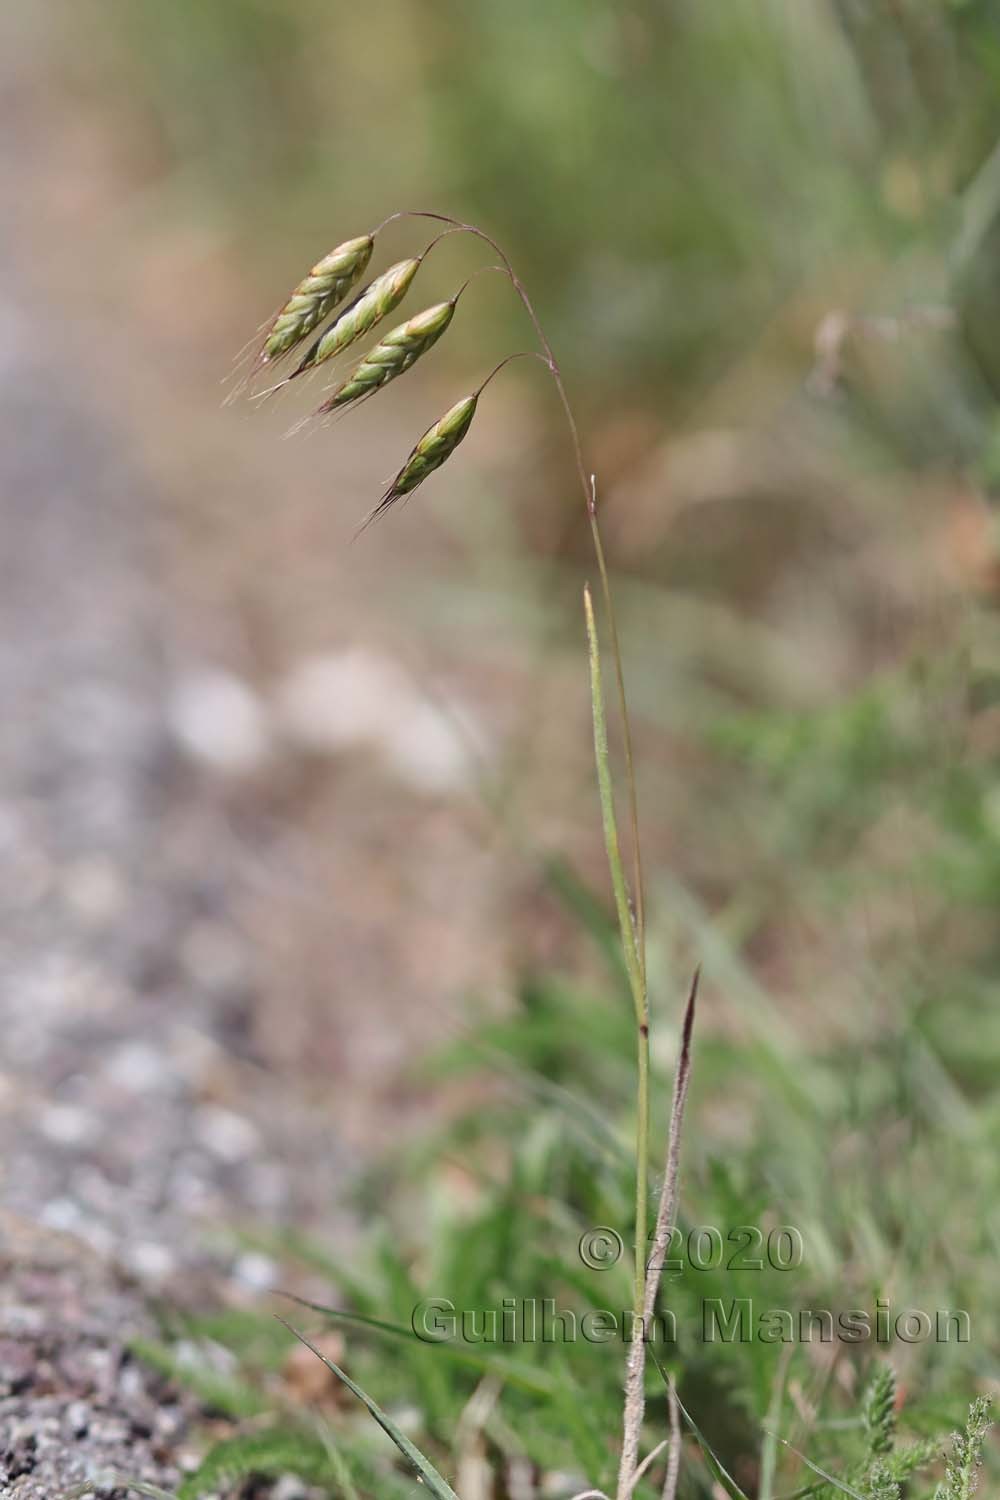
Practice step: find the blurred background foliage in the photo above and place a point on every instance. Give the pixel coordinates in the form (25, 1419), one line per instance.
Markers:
(669, 175)
(765, 239)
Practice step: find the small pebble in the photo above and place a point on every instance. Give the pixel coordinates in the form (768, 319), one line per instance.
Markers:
(77, 1419)
(257, 1272)
(149, 1261)
(226, 1134)
(67, 1125)
(216, 719)
(62, 1213)
(136, 1067)
(288, 1488)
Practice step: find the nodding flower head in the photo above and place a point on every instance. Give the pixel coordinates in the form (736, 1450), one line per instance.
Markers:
(316, 295)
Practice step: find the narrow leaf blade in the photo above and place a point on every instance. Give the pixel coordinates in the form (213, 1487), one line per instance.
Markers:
(435, 1482)
(838, 1484)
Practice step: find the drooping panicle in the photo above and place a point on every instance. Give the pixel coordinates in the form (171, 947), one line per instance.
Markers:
(369, 307)
(437, 444)
(393, 355)
(327, 284)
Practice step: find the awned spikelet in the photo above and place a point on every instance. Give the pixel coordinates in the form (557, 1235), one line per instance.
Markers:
(368, 308)
(437, 444)
(327, 284)
(393, 355)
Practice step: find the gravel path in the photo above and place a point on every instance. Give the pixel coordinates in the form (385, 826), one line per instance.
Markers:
(75, 1407)
(131, 1104)
(172, 1058)
(133, 1109)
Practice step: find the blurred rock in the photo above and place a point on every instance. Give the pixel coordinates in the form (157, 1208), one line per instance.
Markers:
(360, 699)
(74, 1404)
(216, 719)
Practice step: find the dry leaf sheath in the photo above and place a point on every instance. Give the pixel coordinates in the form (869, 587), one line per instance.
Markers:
(393, 355)
(369, 307)
(327, 284)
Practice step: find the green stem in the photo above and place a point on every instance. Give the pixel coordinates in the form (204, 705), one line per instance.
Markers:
(588, 489)
(631, 909)
(633, 804)
(630, 948)
(641, 1166)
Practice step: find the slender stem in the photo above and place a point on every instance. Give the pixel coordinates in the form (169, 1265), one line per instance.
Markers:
(458, 229)
(616, 656)
(674, 1461)
(635, 1370)
(633, 932)
(482, 272)
(606, 790)
(630, 905)
(587, 487)
(667, 1212)
(646, 1464)
(641, 1160)
(522, 354)
(636, 978)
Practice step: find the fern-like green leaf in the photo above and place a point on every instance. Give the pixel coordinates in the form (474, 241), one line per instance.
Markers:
(881, 1483)
(966, 1455)
(880, 1411)
(278, 1450)
(218, 1393)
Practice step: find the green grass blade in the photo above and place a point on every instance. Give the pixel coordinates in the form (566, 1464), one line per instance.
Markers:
(516, 1374)
(434, 1481)
(769, 1448)
(612, 843)
(715, 1467)
(338, 1463)
(838, 1484)
(634, 956)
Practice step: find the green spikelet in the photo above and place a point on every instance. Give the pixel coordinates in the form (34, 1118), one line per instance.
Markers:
(966, 1457)
(328, 283)
(369, 307)
(437, 444)
(881, 1483)
(393, 355)
(880, 1411)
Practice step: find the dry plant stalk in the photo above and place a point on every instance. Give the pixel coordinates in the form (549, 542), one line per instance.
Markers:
(395, 353)
(674, 1461)
(635, 1371)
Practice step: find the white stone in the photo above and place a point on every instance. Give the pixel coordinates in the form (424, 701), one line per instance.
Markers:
(150, 1261)
(227, 1135)
(330, 703)
(360, 698)
(218, 720)
(136, 1067)
(67, 1125)
(259, 1272)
